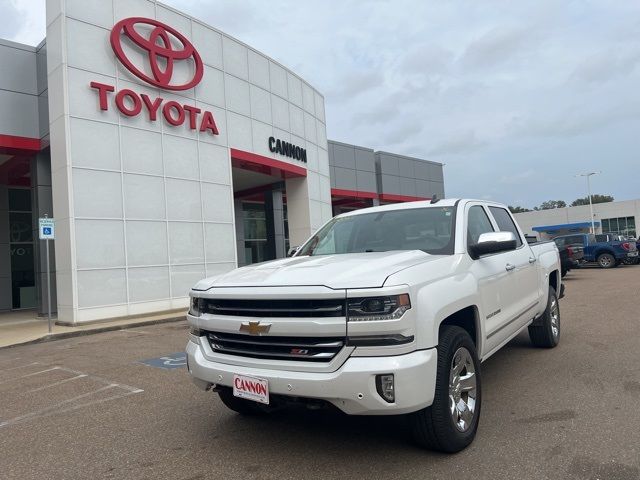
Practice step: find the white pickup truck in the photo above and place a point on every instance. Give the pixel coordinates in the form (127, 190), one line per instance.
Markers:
(384, 311)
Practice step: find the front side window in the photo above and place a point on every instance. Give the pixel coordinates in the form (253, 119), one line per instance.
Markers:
(478, 224)
(429, 229)
(505, 223)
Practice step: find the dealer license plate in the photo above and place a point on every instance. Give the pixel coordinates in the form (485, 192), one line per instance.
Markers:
(251, 388)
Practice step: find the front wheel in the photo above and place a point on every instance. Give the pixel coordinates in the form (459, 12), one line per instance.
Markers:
(450, 423)
(545, 331)
(606, 260)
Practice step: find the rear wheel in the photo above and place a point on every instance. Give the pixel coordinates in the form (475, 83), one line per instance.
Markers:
(450, 423)
(241, 406)
(546, 330)
(606, 260)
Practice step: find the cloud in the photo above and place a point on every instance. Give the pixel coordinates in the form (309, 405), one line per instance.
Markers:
(23, 21)
(519, 88)
(517, 178)
(497, 45)
(460, 142)
(606, 65)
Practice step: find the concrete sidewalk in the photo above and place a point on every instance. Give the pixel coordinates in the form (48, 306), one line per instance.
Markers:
(19, 328)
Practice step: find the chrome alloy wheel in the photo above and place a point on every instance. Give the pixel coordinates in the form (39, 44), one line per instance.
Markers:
(462, 389)
(605, 261)
(554, 313)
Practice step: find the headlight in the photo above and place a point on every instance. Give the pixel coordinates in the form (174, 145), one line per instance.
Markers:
(378, 308)
(195, 307)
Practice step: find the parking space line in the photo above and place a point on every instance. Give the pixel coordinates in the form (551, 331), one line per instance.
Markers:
(104, 380)
(51, 408)
(58, 383)
(20, 366)
(28, 375)
(64, 405)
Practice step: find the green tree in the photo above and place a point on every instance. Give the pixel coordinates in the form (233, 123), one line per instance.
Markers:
(551, 204)
(518, 209)
(596, 198)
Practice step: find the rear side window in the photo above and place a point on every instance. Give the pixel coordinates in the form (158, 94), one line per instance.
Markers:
(574, 240)
(478, 224)
(505, 224)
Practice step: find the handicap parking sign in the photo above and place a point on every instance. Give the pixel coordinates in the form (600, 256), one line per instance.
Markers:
(46, 229)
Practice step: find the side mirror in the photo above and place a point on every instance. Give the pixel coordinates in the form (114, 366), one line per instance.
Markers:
(292, 251)
(493, 242)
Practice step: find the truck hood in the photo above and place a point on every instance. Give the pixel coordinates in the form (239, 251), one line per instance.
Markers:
(351, 270)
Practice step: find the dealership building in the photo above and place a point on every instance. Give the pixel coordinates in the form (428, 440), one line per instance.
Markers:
(611, 217)
(166, 151)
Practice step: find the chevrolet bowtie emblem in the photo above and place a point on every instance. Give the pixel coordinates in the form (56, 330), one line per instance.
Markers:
(254, 328)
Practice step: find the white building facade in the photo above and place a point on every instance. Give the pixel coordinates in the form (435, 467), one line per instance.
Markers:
(615, 217)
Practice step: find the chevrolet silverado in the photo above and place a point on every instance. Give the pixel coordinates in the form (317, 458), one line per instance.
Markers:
(388, 310)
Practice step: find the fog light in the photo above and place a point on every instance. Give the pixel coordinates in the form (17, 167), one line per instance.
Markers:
(385, 387)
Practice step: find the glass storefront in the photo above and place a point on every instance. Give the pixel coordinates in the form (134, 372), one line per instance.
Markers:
(622, 225)
(21, 248)
(255, 232)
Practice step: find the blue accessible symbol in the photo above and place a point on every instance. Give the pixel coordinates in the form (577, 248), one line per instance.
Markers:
(173, 360)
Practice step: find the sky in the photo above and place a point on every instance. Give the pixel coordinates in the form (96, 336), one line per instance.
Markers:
(515, 98)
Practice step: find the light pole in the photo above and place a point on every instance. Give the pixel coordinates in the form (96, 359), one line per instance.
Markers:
(588, 175)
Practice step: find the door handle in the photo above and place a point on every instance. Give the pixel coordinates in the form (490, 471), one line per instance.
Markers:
(510, 267)
(533, 259)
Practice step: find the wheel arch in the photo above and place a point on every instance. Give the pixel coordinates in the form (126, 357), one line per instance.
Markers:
(467, 318)
(554, 280)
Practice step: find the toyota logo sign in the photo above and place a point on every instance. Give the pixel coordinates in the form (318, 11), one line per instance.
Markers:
(157, 46)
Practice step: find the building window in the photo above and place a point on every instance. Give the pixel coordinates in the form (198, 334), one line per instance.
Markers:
(21, 243)
(622, 225)
(255, 232)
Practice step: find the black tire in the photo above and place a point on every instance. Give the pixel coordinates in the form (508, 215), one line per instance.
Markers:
(433, 427)
(564, 272)
(606, 260)
(241, 406)
(542, 331)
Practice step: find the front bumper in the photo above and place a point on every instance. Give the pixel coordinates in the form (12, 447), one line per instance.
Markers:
(351, 388)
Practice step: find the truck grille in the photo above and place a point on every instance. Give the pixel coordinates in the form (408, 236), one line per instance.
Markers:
(276, 348)
(274, 308)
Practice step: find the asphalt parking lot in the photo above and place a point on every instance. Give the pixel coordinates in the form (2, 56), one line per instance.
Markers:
(86, 407)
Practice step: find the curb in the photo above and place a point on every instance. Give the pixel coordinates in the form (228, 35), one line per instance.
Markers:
(80, 333)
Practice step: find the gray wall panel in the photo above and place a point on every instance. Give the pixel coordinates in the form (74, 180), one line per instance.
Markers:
(41, 69)
(389, 184)
(19, 114)
(366, 181)
(345, 178)
(435, 173)
(365, 160)
(421, 170)
(43, 114)
(408, 186)
(406, 168)
(344, 156)
(423, 189)
(388, 164)
(18, 72)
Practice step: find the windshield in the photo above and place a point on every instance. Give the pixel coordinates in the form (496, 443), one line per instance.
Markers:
(428, 229)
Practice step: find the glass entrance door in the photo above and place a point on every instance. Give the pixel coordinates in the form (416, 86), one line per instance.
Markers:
(21, 238)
